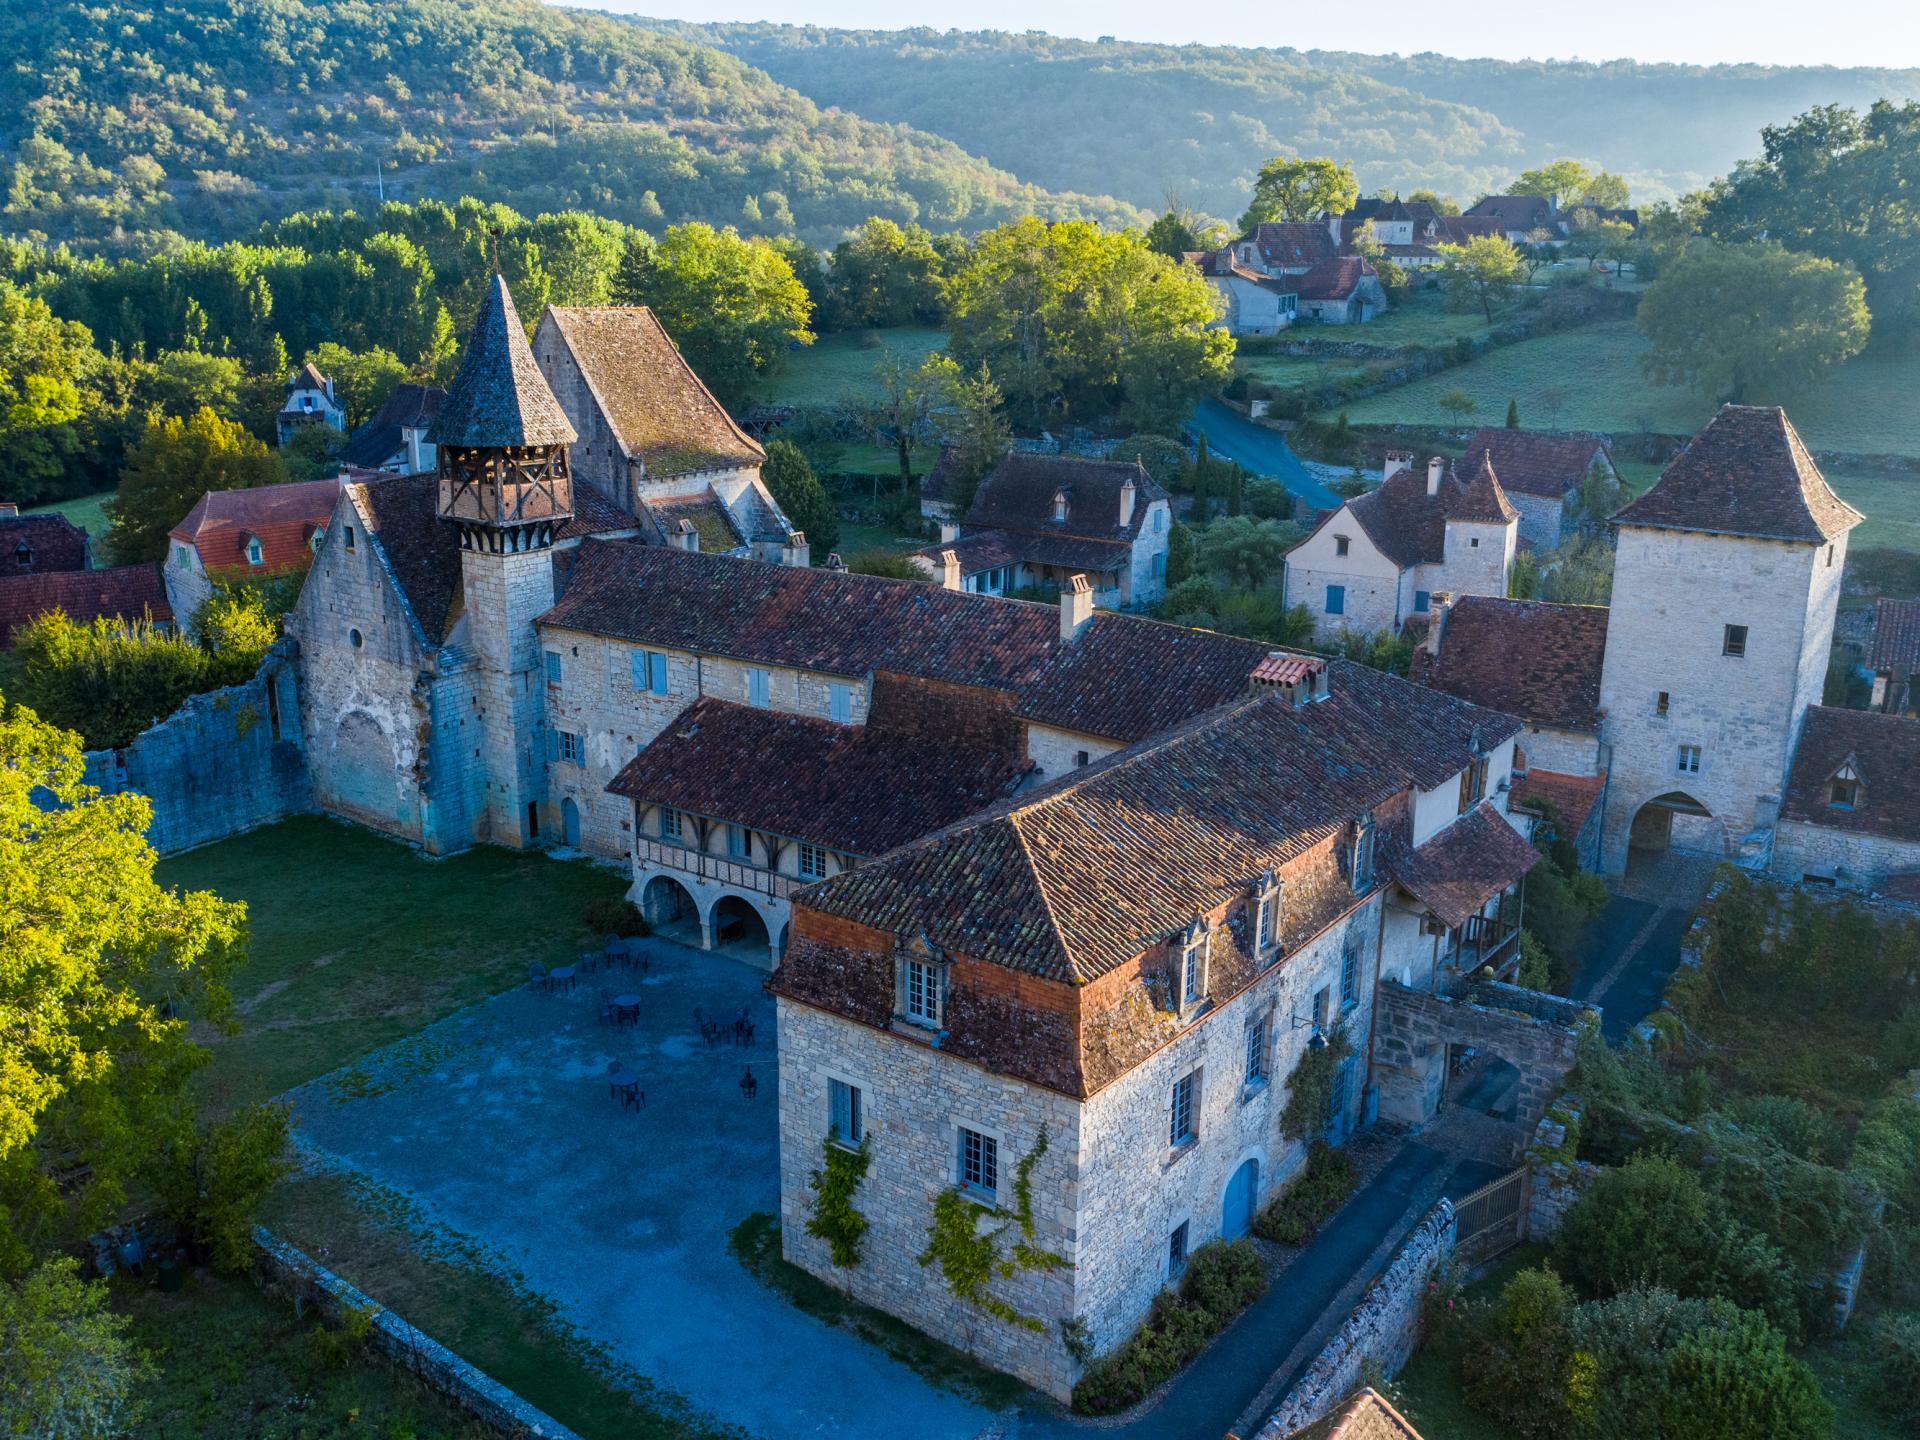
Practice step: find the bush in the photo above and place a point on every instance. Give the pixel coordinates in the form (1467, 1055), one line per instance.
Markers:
(1895, 1341)
(1734, 1380)
(885, 563)
(1321, 1188)
(614, 915)
(1795, 1126)
(213, 1181)
(1517, 1364)
(107, 680)
(66, 1365)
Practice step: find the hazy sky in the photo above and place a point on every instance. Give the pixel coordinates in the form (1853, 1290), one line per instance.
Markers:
(1840, 32)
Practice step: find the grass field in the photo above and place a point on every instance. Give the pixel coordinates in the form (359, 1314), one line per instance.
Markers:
(1416, 317)
(1590, 379)
(1296, 372)
(84, 511)
(1891, 503)
(358, 940)
(835, 367)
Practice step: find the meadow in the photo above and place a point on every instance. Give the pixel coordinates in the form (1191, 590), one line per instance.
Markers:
(839, 367)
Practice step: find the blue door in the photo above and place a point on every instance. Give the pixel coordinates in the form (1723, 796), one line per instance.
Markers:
(570, 819)
(1236, 1211)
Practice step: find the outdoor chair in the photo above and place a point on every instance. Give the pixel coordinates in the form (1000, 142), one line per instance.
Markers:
(749, 1086)
(606, 1007)
(537, 975)
(589, 960)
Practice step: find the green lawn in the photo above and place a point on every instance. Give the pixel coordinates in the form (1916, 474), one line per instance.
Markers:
(359, 940)
(86, 512)
(1296, 372)
(835, 367)
(856, 538)
(1416, 317)
(1590, 378)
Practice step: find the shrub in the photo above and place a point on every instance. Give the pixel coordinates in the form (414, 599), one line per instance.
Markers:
(66, 1365)
(1517, 1364)
(614, 915)
(885, 563)
(1794, 1125)
(1321, 1187)
(213, 1181)
(107, 680)
(1734, 1380)
(1896, 1363)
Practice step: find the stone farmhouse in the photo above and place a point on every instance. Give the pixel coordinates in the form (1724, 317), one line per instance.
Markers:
(245, 534)
(1851, 812)
(36, 544)
(1541, 471)
(1409, 232)
(394, 441)
(1038, 520)
(1377, 561)
(1278, 272)
(1073, 1008)
(310, 400)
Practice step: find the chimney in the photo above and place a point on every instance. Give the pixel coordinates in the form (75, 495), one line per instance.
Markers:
(835, 563)
(1436, 467)
(797, 553)
(8, 510)
(1438, 604)
(949, 570)
(1076, 606)
(949, 532)
(1397, 460)
(685, 537)
(1126, 502)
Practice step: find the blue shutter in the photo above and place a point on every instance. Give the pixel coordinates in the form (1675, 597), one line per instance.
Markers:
(840, 703)
(657, 672)
(1422, 602)
(639, 659)
(1336, 599)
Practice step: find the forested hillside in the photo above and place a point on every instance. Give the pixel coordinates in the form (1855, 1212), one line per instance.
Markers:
(1137, 120)
(209, 116)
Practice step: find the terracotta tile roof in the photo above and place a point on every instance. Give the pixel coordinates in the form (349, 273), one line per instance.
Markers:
(1303, 243)
(980, 550)
(409, 407)
(1081, 876)
(1280, 668)
(1364, 1417)
(1529, 658)
(1572, 797)
(283, 518)
(1333, 279)
(658, 409)
(1127, 677)
(1515, 212)
(498, 396)
(594, 514)
(1409, 526)
(1464, 866)
(33, 544)
(1018, 494)
(126, 592)
(1885, 751)
(1747, 474)
(1896, 636)
(710, 519)
(858, 789)
(1549, 463)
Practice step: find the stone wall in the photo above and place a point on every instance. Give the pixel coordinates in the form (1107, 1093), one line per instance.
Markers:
(1535, 1032)
(1383, 1330)
(287, 1269)
(1556, 1179)
(1541, 518)
(1058, 751)
(1855, 861)
(224, 762)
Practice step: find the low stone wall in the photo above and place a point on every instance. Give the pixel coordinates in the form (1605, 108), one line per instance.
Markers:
(286, 1268)
(1557, 1179)
(224, 762)
(1384, 1329)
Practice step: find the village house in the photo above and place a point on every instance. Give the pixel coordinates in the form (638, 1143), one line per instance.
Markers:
(1277, 272)
(1542, 472)
(1038, 520)
(1081, 1008)
(394, 441)
(1376, 562)
(1522, 219)
(1893, 656)
(229, 535)
(310, 400)
(36, 544)
(127, 593)
(1851, 813)
(1409, 232)
(1253, 302)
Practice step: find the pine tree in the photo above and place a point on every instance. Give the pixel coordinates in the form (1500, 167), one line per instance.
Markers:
(1513, 414)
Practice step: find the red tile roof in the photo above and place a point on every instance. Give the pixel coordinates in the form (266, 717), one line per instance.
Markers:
(1885, 751)
(283, 518)
(128, 592)
(1536, 462)
(1334, 279)
(1409, 526)
(1364, 1417)
(1896, 637)
(1456, 872)
(1529, 658)
(1572, 797)
(1746, 474)
(32, 544)
(1280, 668)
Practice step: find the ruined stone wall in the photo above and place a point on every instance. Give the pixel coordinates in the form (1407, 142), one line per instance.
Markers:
(1536, 1033)
(1565, 752)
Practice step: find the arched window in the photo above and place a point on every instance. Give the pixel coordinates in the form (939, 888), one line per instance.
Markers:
(255, 555)
(1059, 506)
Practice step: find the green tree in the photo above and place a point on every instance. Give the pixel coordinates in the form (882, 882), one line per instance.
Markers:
(973, 427)
(67, 1369)
(1568, 183)
(1483, 271)
(174, 464)
(900, 414)
(213, 1179)
(885, 275)
(1458, 405)
(106, 679)
(1734, 1379)
(1367, 246)
(237, 624)
(733, 306)
(1245, 551)
(1751, 322)
(1513, 414)
(47, 368)
(362, 379)
(312, 452)
(798, 492)
(1182, 555)
(100, 968)
(182, 381)
(1299, 189)
(1442, 204)
(1170, 235)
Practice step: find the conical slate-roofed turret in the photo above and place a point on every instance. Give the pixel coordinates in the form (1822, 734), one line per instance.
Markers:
(499, 398)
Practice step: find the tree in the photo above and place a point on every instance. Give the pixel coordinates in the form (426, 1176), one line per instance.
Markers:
(798, 492)
(47, 367)
(1297, 189)
(1458, 404)
(361, 379)
(106, 679)
(1735, 1379)
(1569, 182)
(312, 452)
(1751, 322)
(1513, 414)
(1246, 551)
(1593, 237)
(975, 432)
(886, 275)
(173, 465)
(733, 306)
(182, 381)
(237, 624)
(1172, 236)
(1483, 270)
(1182, 551)
(1440, 204)
(1368, 247)
(900, 416)
(100, 968)
(67, 1369)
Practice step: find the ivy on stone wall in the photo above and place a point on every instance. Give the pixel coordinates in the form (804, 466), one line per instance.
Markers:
(969, 1253)
(834, 1219)
(1310, 1087)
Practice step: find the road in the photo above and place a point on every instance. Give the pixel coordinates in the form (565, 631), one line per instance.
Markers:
(1625, 958)
(1262, 451)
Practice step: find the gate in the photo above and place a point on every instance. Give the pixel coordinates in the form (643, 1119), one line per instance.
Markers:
(1492, 1220)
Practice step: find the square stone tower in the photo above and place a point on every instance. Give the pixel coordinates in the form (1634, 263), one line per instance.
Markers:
(1725, 583)
(505, 483)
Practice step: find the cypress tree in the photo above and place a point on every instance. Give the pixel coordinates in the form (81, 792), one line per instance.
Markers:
(1513, 414)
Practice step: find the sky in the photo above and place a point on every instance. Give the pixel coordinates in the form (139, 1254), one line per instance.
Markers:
(1701, 32)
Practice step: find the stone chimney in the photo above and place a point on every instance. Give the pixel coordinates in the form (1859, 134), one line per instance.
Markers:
(8, 510)
(1126, 502)
(1397, 460)
(949, 532)
(1438, 604)
(835, 563)
(1436, 468)
(949, 570)
(797, 552)
(684, 536)
(1076, 606)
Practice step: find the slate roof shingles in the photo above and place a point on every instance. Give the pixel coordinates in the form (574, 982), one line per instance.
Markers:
(1885, 750)
(53, 541)
(1548, 463)
(498, 396)
(409, 407)
(1017, 494)
(1457, 871)
(1896, 638)
(1409, 526)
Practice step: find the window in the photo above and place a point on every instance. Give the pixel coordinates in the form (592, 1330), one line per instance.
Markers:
(353, 639)
(1473, 784)
(1362, 874)
(979, 1162)
(1422, 601)
(840, 702)
(1689, 762)
(1193, 965)
(349, 539)
(1661, 703)
(1180, 1117)
(757, 688)
(255, 555)
(739, 842)
(1350, 976)
(670, 826)
(813, 863)
(1336, 599)
(1160, 525)
(573, 748)
(182, 558)
(1257, 1052)
(1322, 1007)
(319, 534)
(1735, 642)
(1341, 544)
(1829, 557)
(1080, 758)
(843, 1113)
(1177, 1250)
(1843, 792)
(1160, 565)
(650, 671)
(553, 667)
(1266, 917)
(1059, 506)
(1474, 543)
(920, 992)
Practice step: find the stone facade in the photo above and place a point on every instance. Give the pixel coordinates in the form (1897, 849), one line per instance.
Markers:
(1370, 585)
(1537, 1034)
(1055, 752)
(1848, 858)
(1543, 518)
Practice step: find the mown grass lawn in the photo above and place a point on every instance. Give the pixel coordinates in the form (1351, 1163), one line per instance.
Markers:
(359, 940)
(836, 367)
(86, 512)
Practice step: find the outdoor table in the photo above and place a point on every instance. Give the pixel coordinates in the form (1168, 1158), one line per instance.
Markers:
(626, 1008)
(624, 1085)
(561, 975)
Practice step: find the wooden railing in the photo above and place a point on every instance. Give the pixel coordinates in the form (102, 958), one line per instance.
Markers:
(721, 869)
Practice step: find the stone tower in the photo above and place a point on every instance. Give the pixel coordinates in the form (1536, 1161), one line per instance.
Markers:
(1725, 583)
(505, 484)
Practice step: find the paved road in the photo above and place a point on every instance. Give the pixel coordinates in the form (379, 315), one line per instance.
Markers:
(1625, 959)
(1263, 451)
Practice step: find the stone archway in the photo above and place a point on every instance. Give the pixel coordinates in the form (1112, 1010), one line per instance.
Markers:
(1420, 1035)
(670, 910)
(740, 930)
(1671, 823)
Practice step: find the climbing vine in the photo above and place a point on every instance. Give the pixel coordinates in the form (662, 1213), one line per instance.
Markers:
(1310, 1087)
(969, 1256)
(834, 1219)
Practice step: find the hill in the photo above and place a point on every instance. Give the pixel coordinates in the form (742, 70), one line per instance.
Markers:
(1199, 119)
(210, 116)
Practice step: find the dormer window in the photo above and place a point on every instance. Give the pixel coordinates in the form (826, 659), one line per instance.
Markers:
(255, 555)
(1843, 790)
(1266, 914)
(920, 981)
(23, 556)
(1361, 869)
(1473, 783)
(1059, 507)
(1196, 947)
